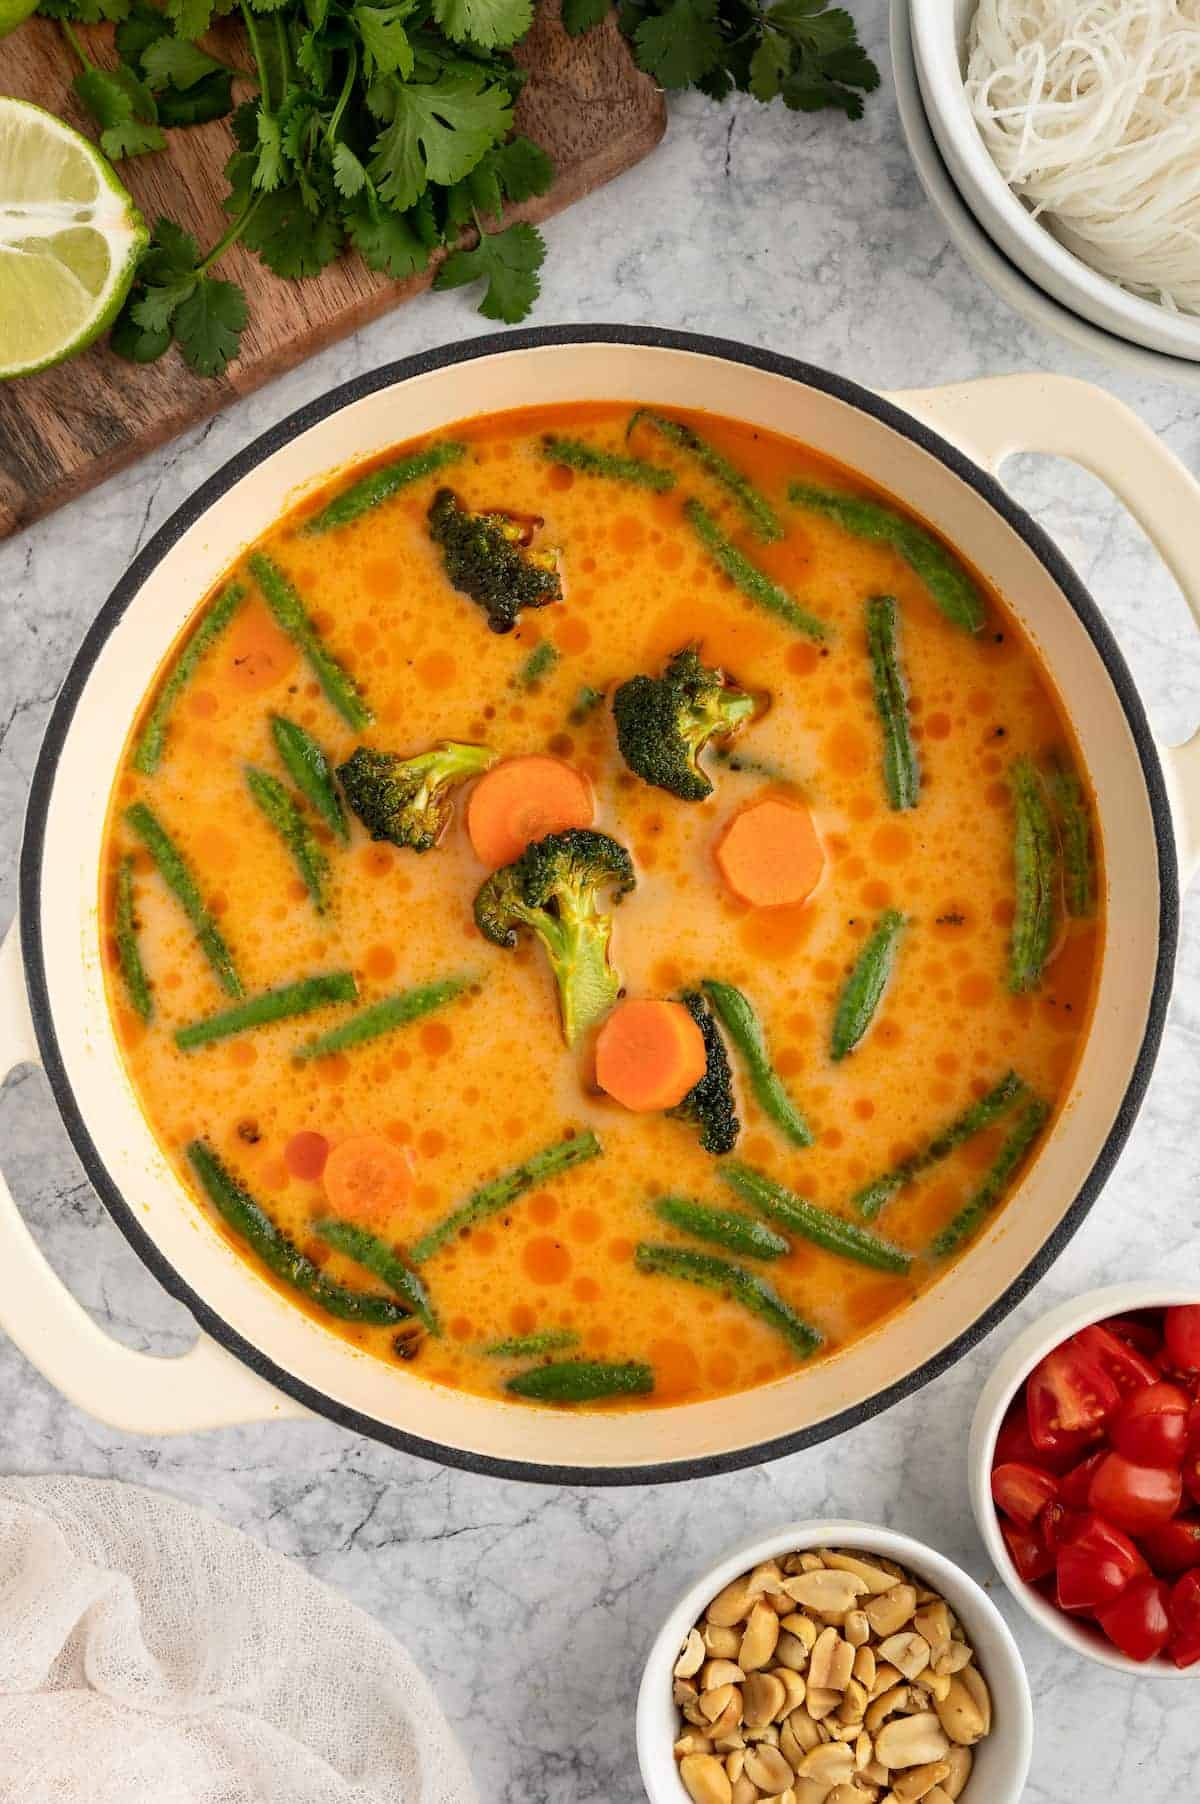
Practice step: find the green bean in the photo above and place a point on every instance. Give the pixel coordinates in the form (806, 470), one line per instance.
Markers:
(539, 663)
(901, 771)
(863, 989)
(757, 511)
(176, 874)
(532, 1346)
(279, 1253)
(747, 1288)
(832, 1232)
(979, 1115)
(950, 584)
(133, 971)
(1075, 836)
(499, 1192)
(970, 1218)
(727, 1228)
(292, 828)
(292, 616)
(308, 767)
(1035, 867)
(375, 1255)
(282, 1004)
(589, 460)
(153, 737)
(582, 1381)
(386, 1016)
(383, 483)
(742, 1025)
(748, 577)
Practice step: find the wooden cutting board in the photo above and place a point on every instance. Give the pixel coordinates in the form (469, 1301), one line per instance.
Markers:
(68, 428)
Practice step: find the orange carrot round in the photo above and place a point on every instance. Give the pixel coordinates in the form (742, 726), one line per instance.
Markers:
(366, 1177)
(769, 854)
(523, 799)
(649, 1054)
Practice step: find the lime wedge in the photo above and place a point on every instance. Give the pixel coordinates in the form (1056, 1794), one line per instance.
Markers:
(70, 239)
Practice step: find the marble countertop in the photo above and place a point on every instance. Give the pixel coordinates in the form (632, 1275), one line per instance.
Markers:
(530, 1609)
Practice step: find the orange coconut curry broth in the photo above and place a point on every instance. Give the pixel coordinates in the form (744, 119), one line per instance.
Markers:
(561, 1169)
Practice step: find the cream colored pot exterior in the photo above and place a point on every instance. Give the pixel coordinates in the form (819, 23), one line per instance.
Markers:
(208, 1387)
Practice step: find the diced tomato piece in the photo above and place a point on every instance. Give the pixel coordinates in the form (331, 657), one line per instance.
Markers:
(1056, 1524)
(1194, 1428)
(1134, 1497)
(1127, 1368)
(1073, 1486)
(1069, 1396)
(1031, 1558)
(1184, 1607)
(1021, 1491)
(1139, 1622)
(1181, 1332)
(1173, 1546)
(1191, 1474)
(1095, 1562)
(1014, 1443)
(1151, 1426)
(1137, 1331)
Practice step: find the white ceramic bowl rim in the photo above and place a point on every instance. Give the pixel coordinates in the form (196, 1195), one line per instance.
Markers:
(1004, 1670)
(1014, 1366)
(849, 393)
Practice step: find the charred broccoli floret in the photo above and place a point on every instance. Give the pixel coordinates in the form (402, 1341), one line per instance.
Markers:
(554, 887)
(488, 557)
(664, 723)
(710, 1103)
(408, 800)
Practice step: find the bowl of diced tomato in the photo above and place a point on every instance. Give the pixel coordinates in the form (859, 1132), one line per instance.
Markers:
(1085, 1475)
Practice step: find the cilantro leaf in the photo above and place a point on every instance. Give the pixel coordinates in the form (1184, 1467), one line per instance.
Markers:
(509, 262)
(492, 24)
(438, 131)
(124, 109)
(154, 310)
(581, 15)
(290, 239)
(385, 240)
(682, 44)
(770, 66)
(191, 18)
(128, 339)
(384, 38)
(348, 173)
(143, 27)
(171, 62)
(523, 168)
(208, 325)
(208, 99)
(173, 252)
(268, 171)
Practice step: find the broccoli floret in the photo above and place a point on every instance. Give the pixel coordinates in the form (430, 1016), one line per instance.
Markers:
(554, 888)
(664, 723)
(710, 1103)
(487, 556)
(408, 800)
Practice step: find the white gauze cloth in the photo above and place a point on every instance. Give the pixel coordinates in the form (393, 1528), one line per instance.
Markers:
(150, 1655)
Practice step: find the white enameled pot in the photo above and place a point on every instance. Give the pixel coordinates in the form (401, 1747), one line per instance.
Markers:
(257, 1357)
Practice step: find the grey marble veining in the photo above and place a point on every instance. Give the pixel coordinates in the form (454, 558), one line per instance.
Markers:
(530, 1609)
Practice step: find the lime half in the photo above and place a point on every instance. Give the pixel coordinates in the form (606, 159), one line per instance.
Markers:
(70, 239)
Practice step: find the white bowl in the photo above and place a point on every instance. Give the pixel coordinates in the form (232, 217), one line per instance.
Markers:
(1001, 1761)
(1027, 299)
(1011, 1372)
(939, 36)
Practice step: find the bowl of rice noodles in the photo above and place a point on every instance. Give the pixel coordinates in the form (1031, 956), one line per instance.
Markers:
(1072, 132)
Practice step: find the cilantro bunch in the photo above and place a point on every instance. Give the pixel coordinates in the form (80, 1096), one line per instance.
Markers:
(381, 124)
(804, 52)
(387, 126)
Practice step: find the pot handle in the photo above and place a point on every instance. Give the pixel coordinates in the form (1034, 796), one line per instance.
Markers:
(1060, 415)
(139, 1393)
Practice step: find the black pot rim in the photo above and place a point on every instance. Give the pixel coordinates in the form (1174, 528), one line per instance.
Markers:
(33, 846)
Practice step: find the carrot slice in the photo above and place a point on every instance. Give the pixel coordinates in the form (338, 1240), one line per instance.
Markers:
(521, 800)
(649, 1054)
(769, 854)
(366, 1177)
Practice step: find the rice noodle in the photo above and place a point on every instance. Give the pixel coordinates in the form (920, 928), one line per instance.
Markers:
(1092, 115)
